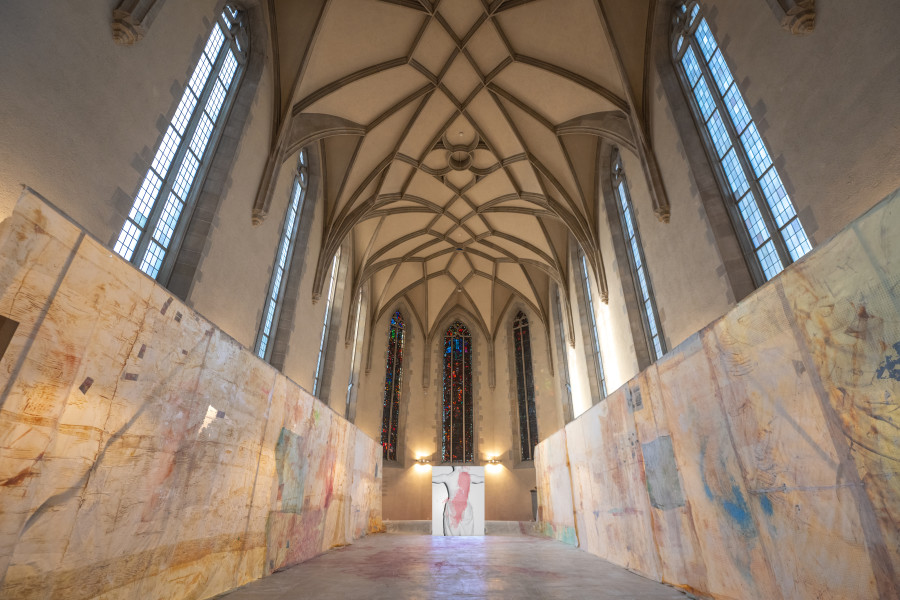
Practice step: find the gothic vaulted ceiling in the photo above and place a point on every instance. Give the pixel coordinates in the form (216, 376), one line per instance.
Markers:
(458, 141)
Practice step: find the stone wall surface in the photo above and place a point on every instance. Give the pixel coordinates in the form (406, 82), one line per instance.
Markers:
(143, 452)
(761, 457)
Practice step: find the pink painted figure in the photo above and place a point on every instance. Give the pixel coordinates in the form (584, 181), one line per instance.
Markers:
(459, 518)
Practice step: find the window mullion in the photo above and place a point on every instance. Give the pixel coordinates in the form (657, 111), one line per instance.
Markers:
(739, 152)
(175, 165)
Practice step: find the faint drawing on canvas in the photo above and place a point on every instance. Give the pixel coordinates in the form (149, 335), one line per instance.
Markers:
(457, 501)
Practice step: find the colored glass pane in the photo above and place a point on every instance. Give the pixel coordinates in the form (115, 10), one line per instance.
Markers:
(457, 413)
(393, 376)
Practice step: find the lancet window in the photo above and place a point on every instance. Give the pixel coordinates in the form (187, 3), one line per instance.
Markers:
(636, 260)
(393, 377)
(161, 210)
(528, 432)
(768, 227)
(457, 410)
(283, 256)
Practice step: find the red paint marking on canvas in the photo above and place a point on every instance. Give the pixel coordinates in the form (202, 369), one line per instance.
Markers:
(461, 499)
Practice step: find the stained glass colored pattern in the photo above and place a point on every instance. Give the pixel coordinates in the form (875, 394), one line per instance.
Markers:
(392, 378)
(457, 411)
(528, 433)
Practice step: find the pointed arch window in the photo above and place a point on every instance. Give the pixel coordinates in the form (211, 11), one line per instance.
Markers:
(636, 260)
(457, 411)
(528, 432)
(762, 212)
(393, 377)
(158, 218)
(283, 256)
(594, 353)
(323, 340)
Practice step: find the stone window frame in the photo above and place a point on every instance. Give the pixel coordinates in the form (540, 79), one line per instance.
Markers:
(398, 379)
(563, 362)
(623, 250)
(331, 325)
(440, 340)
(287, 244)
(685, 17)
(588, 320)
(133, 240)
(520, 458)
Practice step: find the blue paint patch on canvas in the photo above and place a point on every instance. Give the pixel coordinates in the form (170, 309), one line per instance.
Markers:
(890, 368)
(766, 504)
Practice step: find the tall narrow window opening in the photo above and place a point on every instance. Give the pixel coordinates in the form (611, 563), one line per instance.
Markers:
(332, 285)
(564, 352)
(283, 256)
(592, 323)
(457, 437)
(636, 260)
(757, 200)
(154, 229)
(393, 377)
(528, 432)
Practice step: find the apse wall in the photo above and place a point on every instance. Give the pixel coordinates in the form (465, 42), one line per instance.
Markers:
(759, 458)
(407, 485)
(147, 454)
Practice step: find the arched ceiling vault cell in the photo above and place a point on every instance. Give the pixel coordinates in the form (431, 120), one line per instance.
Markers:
(460, 141)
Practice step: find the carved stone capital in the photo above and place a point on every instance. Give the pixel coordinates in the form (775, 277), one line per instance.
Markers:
(131, 20)
(799, 16)
(258, 216)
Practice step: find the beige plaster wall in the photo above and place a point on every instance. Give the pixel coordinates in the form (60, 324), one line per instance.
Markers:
(84, 114)
(825, 103)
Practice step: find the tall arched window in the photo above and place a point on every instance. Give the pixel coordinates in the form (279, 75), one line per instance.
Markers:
(593, 353)
(636, 260)
(155, 228)
(757, 200)
(457, 413)
(393, 376)
(528, 432)
(323, 340)
(283, 258)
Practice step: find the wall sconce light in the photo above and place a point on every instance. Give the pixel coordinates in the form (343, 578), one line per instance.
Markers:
(423, 460)
(493, 461)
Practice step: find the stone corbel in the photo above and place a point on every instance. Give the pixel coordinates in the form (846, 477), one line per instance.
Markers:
(131, 20)
(799, 16)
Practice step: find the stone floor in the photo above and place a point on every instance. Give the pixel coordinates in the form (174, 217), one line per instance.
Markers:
(404, 567)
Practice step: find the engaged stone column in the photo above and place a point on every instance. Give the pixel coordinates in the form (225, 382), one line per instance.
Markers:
(131, 20)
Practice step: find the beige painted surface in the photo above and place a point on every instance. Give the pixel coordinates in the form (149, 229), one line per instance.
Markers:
(145, 452)
(758, 458)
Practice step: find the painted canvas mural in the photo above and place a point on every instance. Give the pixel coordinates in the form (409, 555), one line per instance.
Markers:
(144, 453)
(761, 457)
(457, 500)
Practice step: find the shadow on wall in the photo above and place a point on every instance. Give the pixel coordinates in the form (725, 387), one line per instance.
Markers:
(145, 453)
(760, 458)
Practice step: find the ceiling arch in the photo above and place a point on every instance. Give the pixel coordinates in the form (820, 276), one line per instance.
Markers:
(459, 146)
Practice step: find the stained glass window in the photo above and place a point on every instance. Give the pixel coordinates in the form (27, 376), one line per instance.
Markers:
(153, 228)
(759, 205)
(457, 412)
(636, 261)
(283, 258)
(393, 376)
(528, 433)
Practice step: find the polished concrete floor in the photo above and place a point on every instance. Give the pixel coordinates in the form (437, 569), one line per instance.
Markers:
(404, 567)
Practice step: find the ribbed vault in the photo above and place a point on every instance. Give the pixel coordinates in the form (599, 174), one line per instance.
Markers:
(459, 142)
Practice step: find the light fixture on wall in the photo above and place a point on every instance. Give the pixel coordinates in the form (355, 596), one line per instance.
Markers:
(493, 460)
(423, 462)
